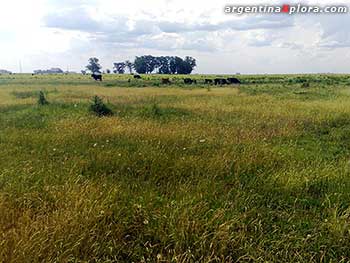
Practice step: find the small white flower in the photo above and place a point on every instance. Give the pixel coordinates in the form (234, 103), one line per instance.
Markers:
(184, 149)
(201, 141)
(54, 149)
(107, 141)
(145, 222)
(75, 105)
(119, 154)
(95, 144)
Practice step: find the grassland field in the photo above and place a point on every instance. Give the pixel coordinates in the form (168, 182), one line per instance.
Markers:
(258, 172)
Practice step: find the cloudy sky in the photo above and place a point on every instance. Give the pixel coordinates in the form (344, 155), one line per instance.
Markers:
(65, 33)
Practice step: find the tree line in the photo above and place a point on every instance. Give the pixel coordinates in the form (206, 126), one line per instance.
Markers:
(147, 65)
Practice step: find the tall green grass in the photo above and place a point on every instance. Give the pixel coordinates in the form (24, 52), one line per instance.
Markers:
(252, 173)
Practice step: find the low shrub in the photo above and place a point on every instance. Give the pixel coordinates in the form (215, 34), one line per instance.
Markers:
(99, 108)
(42, 100)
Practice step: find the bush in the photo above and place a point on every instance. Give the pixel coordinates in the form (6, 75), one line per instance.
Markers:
(305, 85)
(42, 100)
(99, 108)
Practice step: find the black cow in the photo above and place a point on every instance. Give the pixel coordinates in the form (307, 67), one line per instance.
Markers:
(190, 81)
(219, 81)
(96, 76)
(224, 82)
(137, 77)
(233, 81)
(166, 81)
(208, 81)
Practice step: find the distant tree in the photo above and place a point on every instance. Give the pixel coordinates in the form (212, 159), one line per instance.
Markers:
(191, 62)
(119, 67)
(185, 66)
(146, 64)
(83, 72)
(129, 65)
(164, 65)
(140, 65)
(172, 65)
(94, 65)
(151, 63)
(108, 71)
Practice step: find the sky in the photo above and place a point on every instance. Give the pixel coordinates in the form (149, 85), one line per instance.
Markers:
(40, 34)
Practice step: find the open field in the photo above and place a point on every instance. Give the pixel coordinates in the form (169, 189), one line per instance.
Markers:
(253, 173)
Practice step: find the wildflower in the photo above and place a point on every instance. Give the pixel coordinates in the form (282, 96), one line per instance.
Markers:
(95, 144)
(201, 141)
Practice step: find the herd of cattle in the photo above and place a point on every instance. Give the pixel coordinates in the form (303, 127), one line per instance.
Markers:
(188, 81)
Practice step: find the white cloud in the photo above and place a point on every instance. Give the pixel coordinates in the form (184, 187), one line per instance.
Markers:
(45, 33)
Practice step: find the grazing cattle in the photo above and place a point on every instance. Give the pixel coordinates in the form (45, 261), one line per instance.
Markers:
(233, 81)
(208, 81)
(224, 82)
(190, 81)
(137, 77)
(97, 76)
(219, 81)
(166, 81)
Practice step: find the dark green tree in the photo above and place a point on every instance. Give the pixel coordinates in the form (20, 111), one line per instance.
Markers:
(119, 67)
(172, 65)
(191, 62)
(94, 66)
(140, 65)
(129, 65)
(151, 62)
(163, 65)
